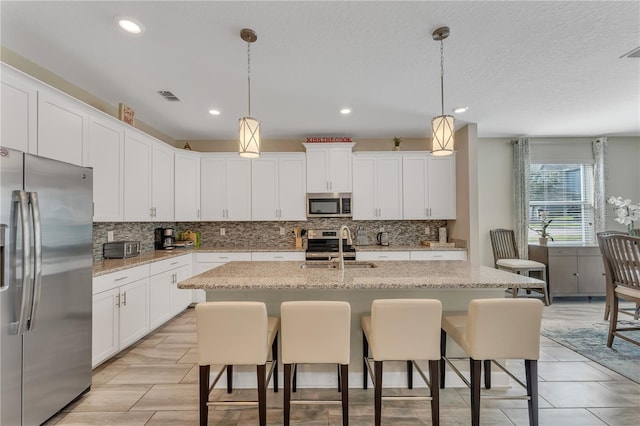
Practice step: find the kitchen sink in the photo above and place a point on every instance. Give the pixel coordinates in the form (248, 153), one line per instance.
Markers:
(348, 264)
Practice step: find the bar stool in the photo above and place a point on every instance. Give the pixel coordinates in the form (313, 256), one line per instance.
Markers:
(236, 333)
(403, 330)
(496, 329)
(316, 332)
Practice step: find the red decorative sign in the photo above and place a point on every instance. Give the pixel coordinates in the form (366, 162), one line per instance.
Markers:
(329, 139)
(126, 114)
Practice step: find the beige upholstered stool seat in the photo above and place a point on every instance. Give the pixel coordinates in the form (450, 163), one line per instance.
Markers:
(520, 264)
(236, 333)
(402, 330)
(316, 332)
(495, 329)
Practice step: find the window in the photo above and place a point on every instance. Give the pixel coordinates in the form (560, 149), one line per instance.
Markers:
(565, 193)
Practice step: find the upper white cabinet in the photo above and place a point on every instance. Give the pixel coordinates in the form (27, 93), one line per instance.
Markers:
(429, 186)
(278, 187)
(138, 150)
(225, 187)
(162, 181)
(187, 186)
(18, 111)
(329, 167)
(62, 128)
(106, 156)
(377, 186)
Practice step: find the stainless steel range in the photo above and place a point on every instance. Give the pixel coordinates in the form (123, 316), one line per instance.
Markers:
(323, 244)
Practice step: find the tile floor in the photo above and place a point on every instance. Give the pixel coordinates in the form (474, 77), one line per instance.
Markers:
(155, 383)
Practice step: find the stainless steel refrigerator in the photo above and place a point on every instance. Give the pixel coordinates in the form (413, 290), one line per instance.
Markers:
(45, 288)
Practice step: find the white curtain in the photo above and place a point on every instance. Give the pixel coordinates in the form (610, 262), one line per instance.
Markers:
(600, 177)
(521, 167)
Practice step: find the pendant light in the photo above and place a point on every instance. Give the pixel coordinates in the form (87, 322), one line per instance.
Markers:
(249, 133)
(442, 126)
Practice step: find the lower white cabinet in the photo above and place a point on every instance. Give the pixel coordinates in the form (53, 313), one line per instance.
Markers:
(165, 298)
(120, 311)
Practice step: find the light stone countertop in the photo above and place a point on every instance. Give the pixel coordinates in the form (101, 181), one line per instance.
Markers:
(387, 275)
(414, 247)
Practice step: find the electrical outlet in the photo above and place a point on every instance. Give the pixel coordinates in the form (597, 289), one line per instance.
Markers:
(110, 236)
(382, 229)
(223, 231)
(281, 230)
(426, 230)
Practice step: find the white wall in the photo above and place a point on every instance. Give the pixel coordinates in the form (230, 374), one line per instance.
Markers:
(495, 184)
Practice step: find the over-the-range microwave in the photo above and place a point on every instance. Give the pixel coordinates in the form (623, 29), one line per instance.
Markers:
(329, 204)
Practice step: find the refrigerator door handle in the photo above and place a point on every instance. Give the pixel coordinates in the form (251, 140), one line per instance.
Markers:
(37, 252)
(20, 205)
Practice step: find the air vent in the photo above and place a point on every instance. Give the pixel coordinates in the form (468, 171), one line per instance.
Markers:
(635, 53)
(168, 95)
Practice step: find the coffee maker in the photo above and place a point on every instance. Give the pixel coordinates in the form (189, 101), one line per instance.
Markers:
(165, 238)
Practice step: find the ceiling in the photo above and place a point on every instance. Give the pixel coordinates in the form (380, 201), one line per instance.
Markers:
(523, 68)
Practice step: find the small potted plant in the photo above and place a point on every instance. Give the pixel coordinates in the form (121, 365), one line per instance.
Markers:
(396, 143)
(544, 224)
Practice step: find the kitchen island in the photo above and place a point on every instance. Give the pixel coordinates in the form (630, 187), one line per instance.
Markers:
(454, 283)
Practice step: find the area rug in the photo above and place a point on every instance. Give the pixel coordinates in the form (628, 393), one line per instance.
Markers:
(591, 342)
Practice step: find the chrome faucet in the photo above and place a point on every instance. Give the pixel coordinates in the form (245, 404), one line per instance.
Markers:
(341, 253)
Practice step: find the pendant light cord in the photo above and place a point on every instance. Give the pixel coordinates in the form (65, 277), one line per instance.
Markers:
(249, 74)
(442, 75)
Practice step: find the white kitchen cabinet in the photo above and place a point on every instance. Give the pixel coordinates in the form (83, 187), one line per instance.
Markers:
(329, 167)
(187, 186)
(63, 125)
(377, 186)
(120, 311)
(106, 156)
(438, 255)
(162, 182)
(225, 188)
(277, 256)
(18, 111)
(165, 298)
(278, 187)
(429, 186)
(206, 261)
(138, 149)
(382, 255)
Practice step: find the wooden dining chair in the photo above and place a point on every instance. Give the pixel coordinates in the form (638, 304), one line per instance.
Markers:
(621, 255)
(507, 258)
(608, 286)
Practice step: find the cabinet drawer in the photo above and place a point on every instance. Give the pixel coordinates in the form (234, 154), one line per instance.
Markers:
(563, 251)
(277, 256)
(222, 257)
(439, 255)
(388, 255)
(589, 251)
(117, 279)
(168, 264)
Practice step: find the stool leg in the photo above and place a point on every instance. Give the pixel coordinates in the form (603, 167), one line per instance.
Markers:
(377, 385)
(295, 377)
(344, 370)
(410, 374)
(261, 371)
(339, 377)
(365, 354)
(531, 372)
(434, 388)
(287, 393)
(274, 357)
(443, 353)
(475, 367)
(487, 373)
(204, 394)
(229, 378)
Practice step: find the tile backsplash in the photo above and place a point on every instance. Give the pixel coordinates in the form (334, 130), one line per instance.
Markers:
(261, 234)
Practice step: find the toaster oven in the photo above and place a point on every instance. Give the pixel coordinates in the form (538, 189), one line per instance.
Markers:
(120, 249)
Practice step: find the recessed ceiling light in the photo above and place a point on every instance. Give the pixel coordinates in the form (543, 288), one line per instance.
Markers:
(345, 111)
(459, 110)
(214, 112)
(130, 25)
